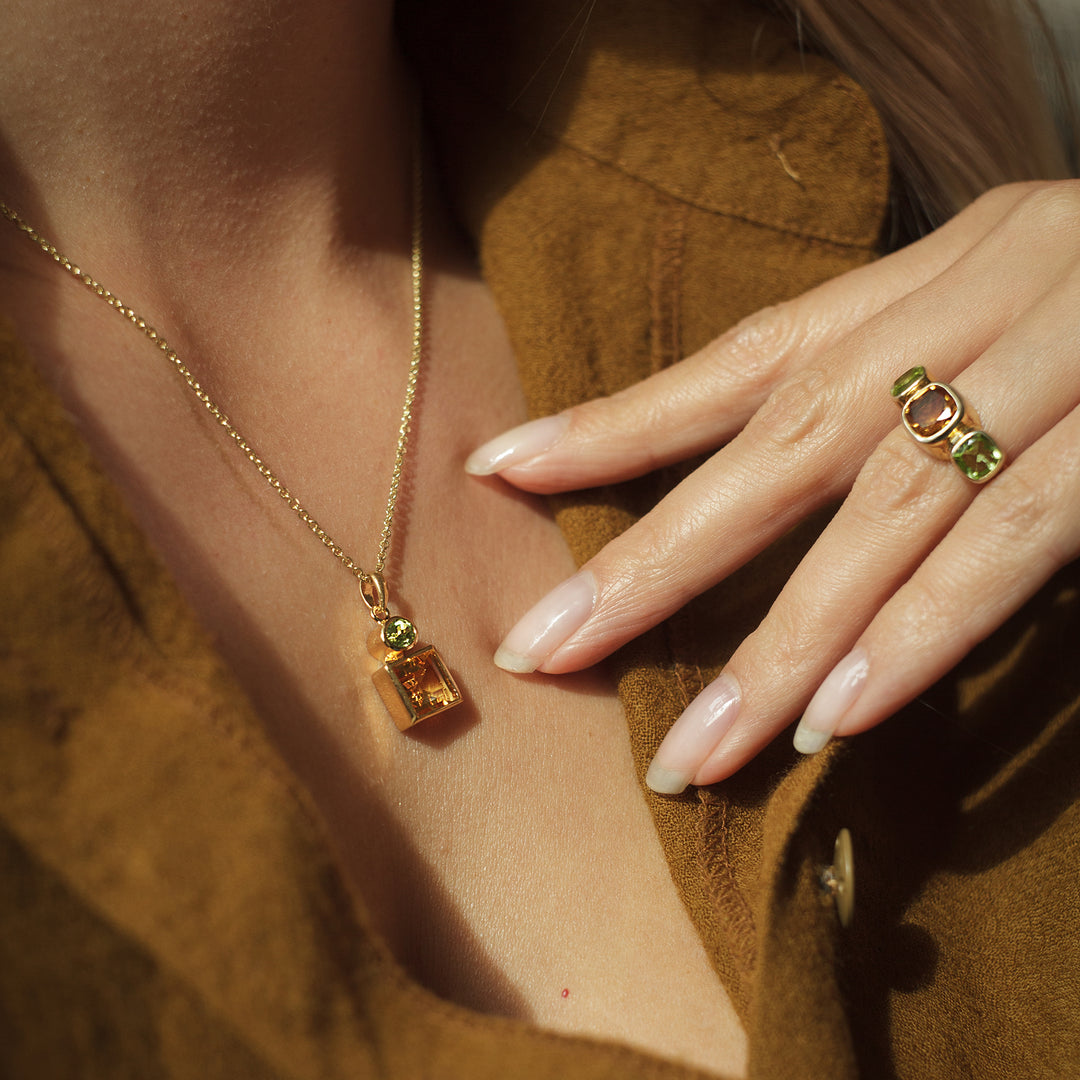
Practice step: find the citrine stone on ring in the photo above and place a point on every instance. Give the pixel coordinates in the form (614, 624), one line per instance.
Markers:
(935, 416)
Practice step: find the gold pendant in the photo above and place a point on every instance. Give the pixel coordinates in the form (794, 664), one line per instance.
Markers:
(413, 683)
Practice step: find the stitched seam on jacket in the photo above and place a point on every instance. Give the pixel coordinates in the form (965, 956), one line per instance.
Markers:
(720, 208)
(729, 897)
(665, 287)
(737, 213)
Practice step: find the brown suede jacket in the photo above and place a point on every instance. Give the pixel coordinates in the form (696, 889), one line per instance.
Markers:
(633, 190)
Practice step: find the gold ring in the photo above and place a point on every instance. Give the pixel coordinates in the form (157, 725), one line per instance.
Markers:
(936, 417)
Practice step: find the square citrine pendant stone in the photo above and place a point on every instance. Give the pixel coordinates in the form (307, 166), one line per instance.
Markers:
(414, 685)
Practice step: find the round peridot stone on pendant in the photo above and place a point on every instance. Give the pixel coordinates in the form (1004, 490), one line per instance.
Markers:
(398, 634)
(907, 380)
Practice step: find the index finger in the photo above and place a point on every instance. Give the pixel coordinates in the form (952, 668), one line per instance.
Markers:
(703, 401)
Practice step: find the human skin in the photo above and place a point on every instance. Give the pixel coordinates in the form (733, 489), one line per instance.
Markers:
(918, 564)
(239, 172)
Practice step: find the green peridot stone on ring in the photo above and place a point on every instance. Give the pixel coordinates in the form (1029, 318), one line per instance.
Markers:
(398, 634)
(908, 379)
(977, 456)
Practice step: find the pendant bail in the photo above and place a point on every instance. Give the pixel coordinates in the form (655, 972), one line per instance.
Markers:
(373, 593)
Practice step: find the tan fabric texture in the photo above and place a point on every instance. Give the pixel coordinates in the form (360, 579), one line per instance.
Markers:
(169, 905)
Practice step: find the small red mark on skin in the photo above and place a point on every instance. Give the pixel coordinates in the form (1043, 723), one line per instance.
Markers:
(566, 993)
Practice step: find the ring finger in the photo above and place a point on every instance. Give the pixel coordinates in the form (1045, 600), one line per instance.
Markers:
(902, 505)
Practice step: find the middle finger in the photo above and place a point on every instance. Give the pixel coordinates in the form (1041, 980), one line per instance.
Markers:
(801, 450)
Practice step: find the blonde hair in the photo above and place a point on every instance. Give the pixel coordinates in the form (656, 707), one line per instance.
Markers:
(955, 83)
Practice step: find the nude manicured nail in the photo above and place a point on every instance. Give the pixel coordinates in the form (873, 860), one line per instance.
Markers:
(517, 445)
(540, 632)
(694, 736)
(834, 697)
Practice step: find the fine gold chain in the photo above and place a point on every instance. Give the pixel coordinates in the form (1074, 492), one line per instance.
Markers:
(244, 445)
(413, 681)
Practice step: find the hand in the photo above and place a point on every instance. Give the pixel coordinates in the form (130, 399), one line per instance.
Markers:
(917, 566)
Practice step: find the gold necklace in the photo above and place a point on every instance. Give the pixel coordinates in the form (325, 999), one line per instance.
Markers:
(413, 681)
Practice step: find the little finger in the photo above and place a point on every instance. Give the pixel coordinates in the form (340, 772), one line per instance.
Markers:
(1007, 545)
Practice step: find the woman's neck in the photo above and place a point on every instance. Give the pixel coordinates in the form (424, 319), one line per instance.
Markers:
(204, 141)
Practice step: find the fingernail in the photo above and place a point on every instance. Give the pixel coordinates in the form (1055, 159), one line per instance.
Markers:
(517, 445)
(694, 736)
(539, 633)
(834, 697)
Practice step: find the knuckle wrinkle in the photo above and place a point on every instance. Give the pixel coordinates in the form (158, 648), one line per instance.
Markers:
(897, 482)
(797, 413)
